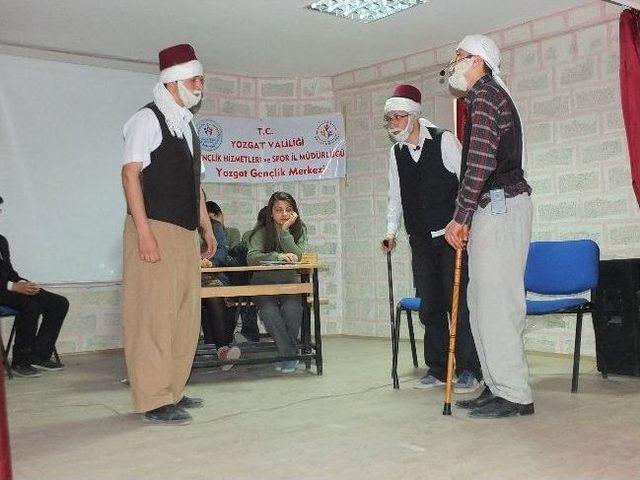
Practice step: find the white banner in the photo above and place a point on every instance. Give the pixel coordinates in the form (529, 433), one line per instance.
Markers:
(252, 150)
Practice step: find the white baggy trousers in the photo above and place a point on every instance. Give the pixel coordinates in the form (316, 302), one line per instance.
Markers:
(498, 249)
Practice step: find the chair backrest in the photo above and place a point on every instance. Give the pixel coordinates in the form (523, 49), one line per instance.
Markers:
(560, 268)
(7, 311)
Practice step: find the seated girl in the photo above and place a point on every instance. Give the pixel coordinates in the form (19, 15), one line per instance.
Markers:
(218, 320)
(279, 235)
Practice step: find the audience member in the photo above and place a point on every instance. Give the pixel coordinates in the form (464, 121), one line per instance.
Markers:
(33, 346)
(280, 235)
(219, 320)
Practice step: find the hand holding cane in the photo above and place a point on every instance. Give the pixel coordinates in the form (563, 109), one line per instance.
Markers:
(455, 300)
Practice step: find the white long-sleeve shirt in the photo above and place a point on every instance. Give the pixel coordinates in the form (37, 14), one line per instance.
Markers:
(142, 135)
(451, 159)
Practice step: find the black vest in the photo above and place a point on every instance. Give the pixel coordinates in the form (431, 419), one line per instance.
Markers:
(508, 156)
(427, 189)
(171, 182)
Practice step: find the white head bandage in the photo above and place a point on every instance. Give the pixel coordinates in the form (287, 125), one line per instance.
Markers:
(486, 48)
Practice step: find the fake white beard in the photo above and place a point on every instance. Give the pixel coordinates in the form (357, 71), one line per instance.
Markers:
(457, 80)
(402, 135)
(189, 98)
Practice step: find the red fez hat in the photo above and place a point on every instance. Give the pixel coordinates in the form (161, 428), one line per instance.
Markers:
(404, 98)
(407, 91)
(178, 63)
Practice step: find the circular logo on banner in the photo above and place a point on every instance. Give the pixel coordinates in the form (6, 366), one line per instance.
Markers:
(327, 133)
(210, 133)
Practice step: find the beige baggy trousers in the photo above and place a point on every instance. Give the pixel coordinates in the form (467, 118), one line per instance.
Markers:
(498, 249)
(160, 314)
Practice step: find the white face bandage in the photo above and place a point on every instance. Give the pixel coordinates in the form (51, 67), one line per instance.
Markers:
(402, 135)
(457, 80)
(189, 98)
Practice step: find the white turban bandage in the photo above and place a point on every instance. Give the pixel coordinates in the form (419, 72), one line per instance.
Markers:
(182, 71)
(485, 48)
(402, 104)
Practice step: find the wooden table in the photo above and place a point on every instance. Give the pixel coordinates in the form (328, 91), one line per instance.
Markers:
(310, 349)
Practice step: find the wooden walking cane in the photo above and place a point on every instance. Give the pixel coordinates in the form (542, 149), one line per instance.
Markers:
(394, 333)
(453, 326)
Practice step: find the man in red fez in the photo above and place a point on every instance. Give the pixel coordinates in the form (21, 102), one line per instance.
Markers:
(161, 268)
(424, 171)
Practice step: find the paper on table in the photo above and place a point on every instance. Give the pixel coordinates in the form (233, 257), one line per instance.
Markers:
(278, 262)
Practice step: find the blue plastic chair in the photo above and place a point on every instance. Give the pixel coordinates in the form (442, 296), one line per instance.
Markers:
(563, 268)
(408, 305)
(4, 350)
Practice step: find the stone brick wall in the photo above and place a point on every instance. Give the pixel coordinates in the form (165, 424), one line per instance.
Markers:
(563, 73)
(562, 70)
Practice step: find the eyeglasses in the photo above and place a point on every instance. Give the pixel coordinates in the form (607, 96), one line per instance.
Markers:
(455, 60)
(394, 117)
(195, 79)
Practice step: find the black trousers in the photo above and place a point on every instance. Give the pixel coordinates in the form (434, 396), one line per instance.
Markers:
(218, 322)
(33, 343)
(432, 261)
(249, 326)
(249, 313)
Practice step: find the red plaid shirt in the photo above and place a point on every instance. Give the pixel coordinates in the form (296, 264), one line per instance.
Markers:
(491, 117)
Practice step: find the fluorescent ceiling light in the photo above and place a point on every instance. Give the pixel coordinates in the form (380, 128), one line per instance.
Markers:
(365, 11)
(626, 3)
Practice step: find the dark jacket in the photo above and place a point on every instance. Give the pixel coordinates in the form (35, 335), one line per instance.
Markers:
(7, 273)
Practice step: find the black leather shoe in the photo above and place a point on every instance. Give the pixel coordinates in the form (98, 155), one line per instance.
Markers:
(168, 415)
(485, 397)
(499, 408)
(190, 402)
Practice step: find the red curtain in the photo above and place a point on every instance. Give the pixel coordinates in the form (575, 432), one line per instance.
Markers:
(461, 117)
(630, 88)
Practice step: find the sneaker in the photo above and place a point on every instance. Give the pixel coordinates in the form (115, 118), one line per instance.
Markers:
(228, 353)
(47, 365)
(467, 383)
(289, 366)
(190, 402)
(428, 381)
(278, 366)
(168, 415)
(25, 370)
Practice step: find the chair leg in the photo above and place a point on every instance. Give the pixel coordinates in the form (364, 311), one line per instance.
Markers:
(413, 339)
(5, 359)
(55, 354)
(576, 354)
(7, 348)
(11, 337)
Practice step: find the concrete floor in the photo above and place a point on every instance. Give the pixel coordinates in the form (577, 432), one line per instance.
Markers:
(347, 424)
